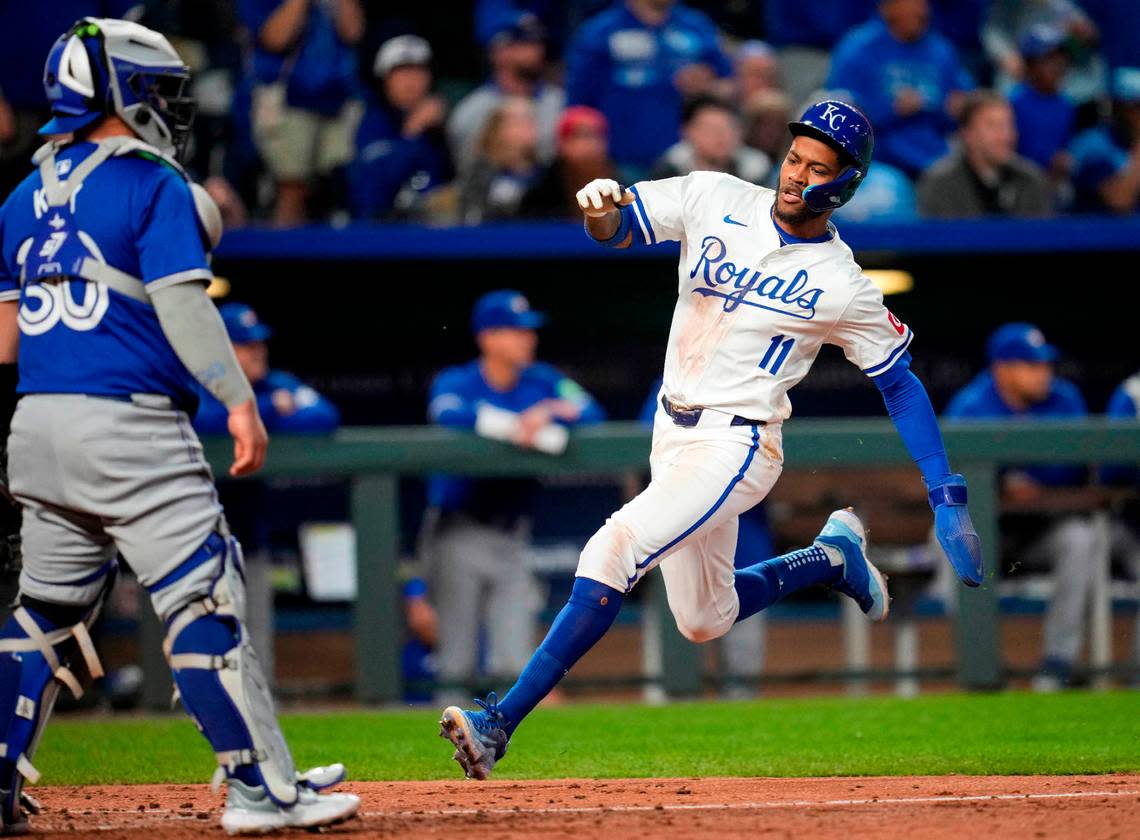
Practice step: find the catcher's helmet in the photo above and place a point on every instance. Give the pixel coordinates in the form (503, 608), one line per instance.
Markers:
(103, 66)
(847, 130)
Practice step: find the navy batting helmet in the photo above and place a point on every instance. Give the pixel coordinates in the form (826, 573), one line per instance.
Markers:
(847, 130)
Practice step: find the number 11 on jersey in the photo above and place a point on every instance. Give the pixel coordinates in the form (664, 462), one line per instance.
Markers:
(780, 343)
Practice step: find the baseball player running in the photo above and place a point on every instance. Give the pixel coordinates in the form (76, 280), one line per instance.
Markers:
(103, 266)
(764, 282)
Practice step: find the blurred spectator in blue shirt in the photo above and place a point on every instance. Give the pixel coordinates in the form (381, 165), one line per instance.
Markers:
(636, 62)
(1046, 119)
(401, 153)
(984, 175)
(583, 155)
(907, 78)
(477, 533)
(1106, 158)
(505, 166)
(517, 55)
(961, 23)
(804, 34)
(1021, 384)
(305, 84)
(27, 31)
(287, 405)
(712, 141)
(886, 195)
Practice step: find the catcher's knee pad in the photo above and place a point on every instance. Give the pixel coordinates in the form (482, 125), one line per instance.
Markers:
(222, 686)
(37, 644)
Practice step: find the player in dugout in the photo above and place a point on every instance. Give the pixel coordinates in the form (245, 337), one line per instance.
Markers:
(476, 532)
(1021, 383)
(287, 404)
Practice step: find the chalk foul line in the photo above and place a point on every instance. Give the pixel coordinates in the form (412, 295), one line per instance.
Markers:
(754, 806)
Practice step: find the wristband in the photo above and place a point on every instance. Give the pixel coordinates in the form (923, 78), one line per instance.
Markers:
(947, 494)
(620, 234)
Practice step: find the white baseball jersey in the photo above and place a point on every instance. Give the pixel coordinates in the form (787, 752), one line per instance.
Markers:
(755, 305)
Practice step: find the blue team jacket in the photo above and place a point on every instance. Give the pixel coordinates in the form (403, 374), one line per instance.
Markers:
(980, 399)
(456, 395)
(314, 414)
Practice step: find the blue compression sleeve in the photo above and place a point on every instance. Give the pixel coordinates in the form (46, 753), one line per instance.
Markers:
(586, 617)
(909, 406)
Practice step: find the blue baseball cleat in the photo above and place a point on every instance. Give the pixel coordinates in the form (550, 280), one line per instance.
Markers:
(861, 581)
(480, 736)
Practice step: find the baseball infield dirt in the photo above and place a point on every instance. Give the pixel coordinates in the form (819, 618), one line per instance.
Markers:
(915, 807)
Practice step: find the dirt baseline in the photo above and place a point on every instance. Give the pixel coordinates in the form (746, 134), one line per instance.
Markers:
(917, 807)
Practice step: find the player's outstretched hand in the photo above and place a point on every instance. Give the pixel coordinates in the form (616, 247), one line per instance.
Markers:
(602, 196)
(250, 439)
(955, 530)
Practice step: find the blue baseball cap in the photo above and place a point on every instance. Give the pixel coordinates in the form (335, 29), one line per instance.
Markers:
(242, 324)
(517, 27)
(1020, 342)
(505, 308)
(1041, 39)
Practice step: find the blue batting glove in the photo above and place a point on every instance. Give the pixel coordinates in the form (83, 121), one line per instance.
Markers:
(955, 531)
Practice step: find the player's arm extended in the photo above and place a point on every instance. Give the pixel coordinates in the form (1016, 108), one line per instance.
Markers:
(909, 407)
(605, 205)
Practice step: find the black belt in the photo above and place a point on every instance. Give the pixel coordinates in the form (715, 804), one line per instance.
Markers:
(689, 417)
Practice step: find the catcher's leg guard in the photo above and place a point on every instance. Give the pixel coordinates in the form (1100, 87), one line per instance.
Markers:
(37, 644)
(222, 686)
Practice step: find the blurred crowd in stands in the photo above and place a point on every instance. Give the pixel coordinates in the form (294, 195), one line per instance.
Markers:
(333, 110)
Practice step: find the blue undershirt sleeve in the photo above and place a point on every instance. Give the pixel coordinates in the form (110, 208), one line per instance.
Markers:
(909, 407)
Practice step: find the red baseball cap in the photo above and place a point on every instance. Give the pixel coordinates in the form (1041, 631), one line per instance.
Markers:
(581, 116)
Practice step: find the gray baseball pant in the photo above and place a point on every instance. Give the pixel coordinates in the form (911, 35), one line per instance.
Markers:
(480, 580)
(98, 476)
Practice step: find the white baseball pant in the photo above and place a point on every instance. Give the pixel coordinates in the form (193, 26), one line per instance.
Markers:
(702, 479)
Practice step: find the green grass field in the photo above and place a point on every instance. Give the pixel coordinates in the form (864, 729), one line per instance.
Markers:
(970, 734)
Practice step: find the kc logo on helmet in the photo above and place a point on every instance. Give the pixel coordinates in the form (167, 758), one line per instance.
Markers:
(834, 118)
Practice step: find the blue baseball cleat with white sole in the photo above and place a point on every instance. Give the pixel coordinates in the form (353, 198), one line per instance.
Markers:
(861, 581)
(480, 736)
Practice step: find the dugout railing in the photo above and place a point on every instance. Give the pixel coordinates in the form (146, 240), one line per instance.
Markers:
(373, 459)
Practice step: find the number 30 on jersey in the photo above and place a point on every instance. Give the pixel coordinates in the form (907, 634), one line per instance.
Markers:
(47, 304)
